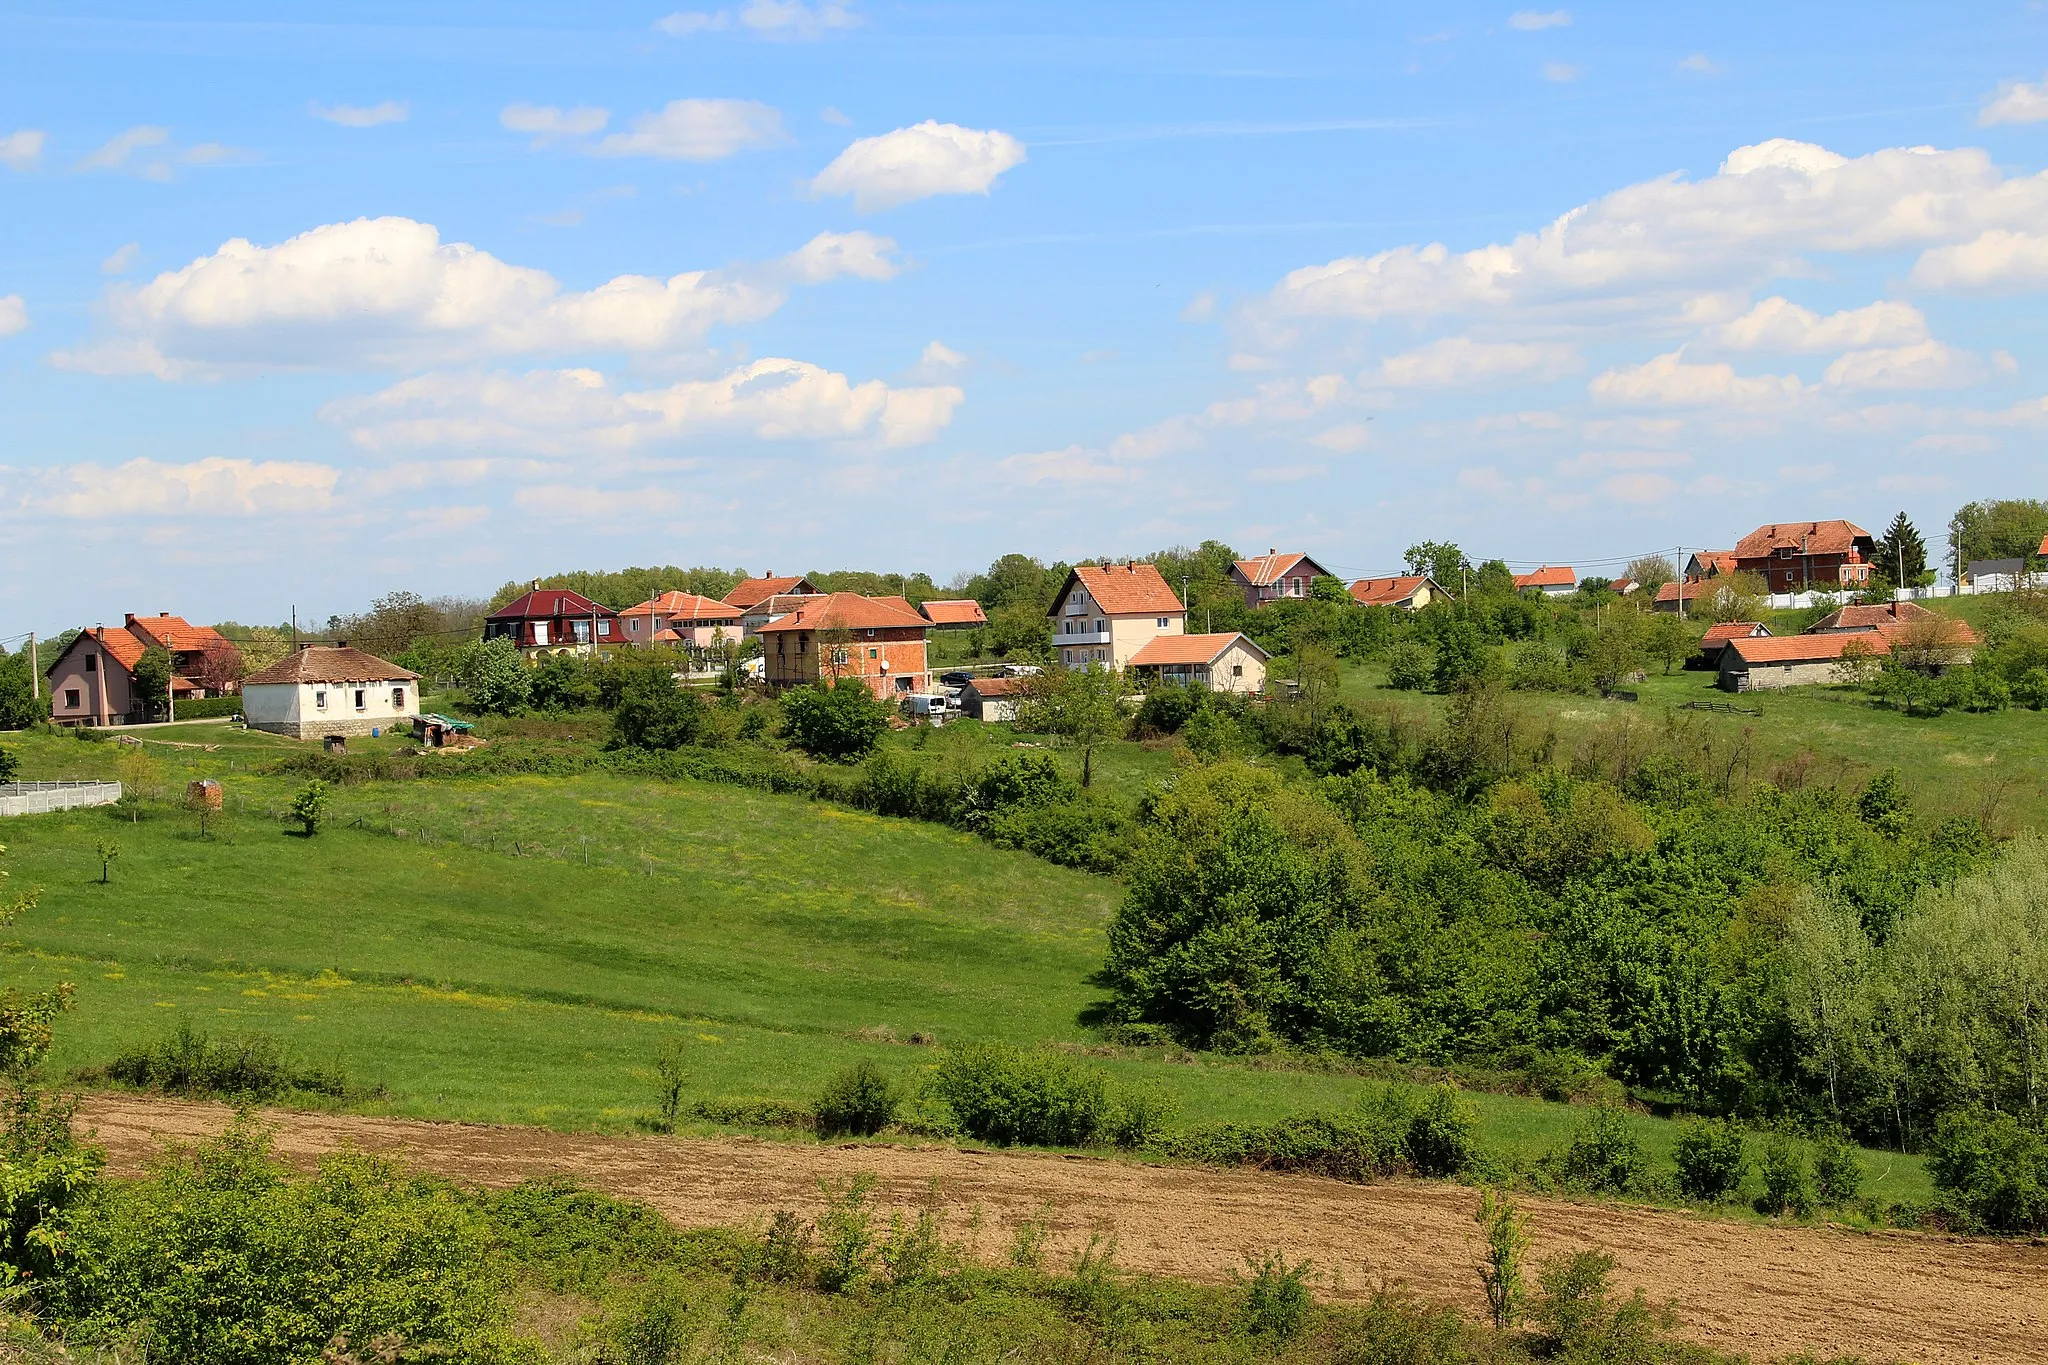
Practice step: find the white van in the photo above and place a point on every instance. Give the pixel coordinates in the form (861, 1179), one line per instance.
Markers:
(930, 708)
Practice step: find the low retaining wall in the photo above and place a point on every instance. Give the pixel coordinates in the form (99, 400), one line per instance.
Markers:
(40, 798)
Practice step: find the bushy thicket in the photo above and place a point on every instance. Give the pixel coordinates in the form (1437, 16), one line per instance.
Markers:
(242, 1067)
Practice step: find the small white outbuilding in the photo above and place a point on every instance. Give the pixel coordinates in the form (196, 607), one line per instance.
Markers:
(323, 690)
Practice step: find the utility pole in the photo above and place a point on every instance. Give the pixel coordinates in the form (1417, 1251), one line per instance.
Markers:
(1679, 559)
(295, 627)
(35, 669)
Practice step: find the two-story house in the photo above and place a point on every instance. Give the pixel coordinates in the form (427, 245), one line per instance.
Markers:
(1273, 576)
(1552, 580)
(92, 681)
(1799, 556)
(879, 640)
(681, 618)
(548, 621)
(1106, 613)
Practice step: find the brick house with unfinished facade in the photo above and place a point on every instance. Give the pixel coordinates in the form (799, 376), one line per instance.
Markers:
(880, 640)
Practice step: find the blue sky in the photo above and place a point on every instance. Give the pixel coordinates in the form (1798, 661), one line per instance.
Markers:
(434, 296)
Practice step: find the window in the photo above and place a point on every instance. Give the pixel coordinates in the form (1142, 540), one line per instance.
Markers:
(1162, 623)
(71, 699)
(361, 693)
(874, 653)
(320, 699)
(540, 632)
(633, 626)
(1237, 670)
(582, 629)
(398, 699)
(604, 627)
(92, 663)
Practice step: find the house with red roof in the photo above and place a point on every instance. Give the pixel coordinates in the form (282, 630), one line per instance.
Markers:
(1751, 665)
(1721, 633)
(92, 680)
(953, 613)
(681, 618)
(545, 622)
(1105, 613)
(1274, 576)
(322, 690)
(1552, 580)
(1223, 662)
(1800, 556)
(749, 593)
(880, 640)
(993, 699)
(1411, 592)
(1703, 564)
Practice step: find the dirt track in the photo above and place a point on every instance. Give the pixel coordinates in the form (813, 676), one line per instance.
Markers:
(1765, 1291)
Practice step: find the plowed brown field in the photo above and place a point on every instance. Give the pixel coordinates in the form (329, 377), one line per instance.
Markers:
(1767, 1291)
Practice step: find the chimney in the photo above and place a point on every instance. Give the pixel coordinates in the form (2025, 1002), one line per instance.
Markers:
(536, 585)
(128, 619)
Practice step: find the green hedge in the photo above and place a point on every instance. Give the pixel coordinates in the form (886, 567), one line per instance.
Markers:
(208, 708)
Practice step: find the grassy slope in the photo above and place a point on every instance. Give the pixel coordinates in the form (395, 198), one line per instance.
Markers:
(770, 936)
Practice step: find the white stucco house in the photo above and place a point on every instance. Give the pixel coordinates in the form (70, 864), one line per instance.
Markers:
(330, 690)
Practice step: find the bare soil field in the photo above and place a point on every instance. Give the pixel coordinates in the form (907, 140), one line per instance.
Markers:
(1766, 1291)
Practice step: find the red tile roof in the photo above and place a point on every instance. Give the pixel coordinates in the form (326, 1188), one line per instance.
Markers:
(1190, 649)
(173, 633)
(850, 611)
(1122, 590)
(121, 646)
(545, 604)
(1797, 649)
(2044, 546)
(1715, 561)
(1670, 592)
(685, 606)
(999, 687)
(1733, 630)
(1385, 592)
(1870, 618)
(1622, 586)
(749, 593)
(329, 664)
(955, 612)
(1808, 537)
(1549, 576)
(1273, 566)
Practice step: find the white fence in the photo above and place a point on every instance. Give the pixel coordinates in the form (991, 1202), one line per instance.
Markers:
(40, 798)
(1989, 583)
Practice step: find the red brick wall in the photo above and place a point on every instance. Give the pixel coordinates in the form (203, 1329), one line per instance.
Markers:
(903, 648)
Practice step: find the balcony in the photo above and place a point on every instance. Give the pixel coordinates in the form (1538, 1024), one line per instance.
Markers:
(1088, 637)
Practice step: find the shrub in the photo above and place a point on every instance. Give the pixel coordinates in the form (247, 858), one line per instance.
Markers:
(1013, 781)
(1604, 1154)
(1169, 706)
(1139, 1118)
(1578, 1321)
(1346, 740)
(9, 765)
(1274, 1299)
(227, 1258)
(1500, 1272)
(1788, 1180)
(1712, 1154)
(1837, 1170)
(842, 722)
(652, 1326)
(309, 806)
(655, 713)
(859, 1100)
(1358, 1146)
(1443, 1137)
(495, 677)
(1995, 1167)
(1005, 1095)
(1410, 666)
(240, 1067)
(846, 1235)
(1091, 831)
(574, 1239)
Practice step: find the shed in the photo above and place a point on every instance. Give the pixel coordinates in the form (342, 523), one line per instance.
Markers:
(1225, 662)
(993, 699)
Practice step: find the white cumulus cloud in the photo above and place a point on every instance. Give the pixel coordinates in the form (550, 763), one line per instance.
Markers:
(115, 153)
(1777, 324)
(362, 115)
(1458, 361)
(1923, 365)
(779, 19)
(211, 487)
(698, 130)
(21, 150)
(13, 315)
(548, 122)
(1531, 21)
(562, 412)
(2015, 102)
(917, 162)
(390, 292)
(2000, 258)
(1672, 381)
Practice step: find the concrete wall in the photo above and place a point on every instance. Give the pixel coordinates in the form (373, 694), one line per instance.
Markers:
(38, 798)
(1250, 677)
(70, 674)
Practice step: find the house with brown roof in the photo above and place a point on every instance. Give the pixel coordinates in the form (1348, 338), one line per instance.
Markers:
(1720, 634)
(993, 699)
(1274, 576)
(681, 618)
(1882, 616)
(1105, 613)
(881, 641)
(322, 690)
(1412, 592)
(1552, 580)
(1800, 556)
(749, 593)
(1223, 662)
(545, 622)
(953, 613)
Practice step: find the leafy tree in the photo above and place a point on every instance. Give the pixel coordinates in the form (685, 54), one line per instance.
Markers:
(1651, 572)
(2000, 528)
(1327, 589)
(1732, 597)
(20, 707)
(1901, 553)
(843, 721)
(1015, 581)
(9, 765)
(1463, 655)
(1494, 579)
(655, 713)
(1410, 666)
(622, 588)
(1018, 630)
(152, 678)
(496, 677)
(565, 682)
(1083, 706)
(309, 806)
(220, 668)
(1441, 560)
(1671, 639)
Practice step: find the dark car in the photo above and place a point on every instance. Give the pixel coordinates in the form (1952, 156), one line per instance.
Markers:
(956, 678)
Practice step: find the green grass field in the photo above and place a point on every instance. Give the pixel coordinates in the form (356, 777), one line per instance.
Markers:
(449, 942)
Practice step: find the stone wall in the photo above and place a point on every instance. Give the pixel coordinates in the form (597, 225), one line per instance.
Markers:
(320, 729)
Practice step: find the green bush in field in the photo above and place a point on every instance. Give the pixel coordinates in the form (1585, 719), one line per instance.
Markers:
(1443, 1136)
(309, 807)
(1604, 1154)
(842, 722)
(859, 1100)
(1995, 1167)
(1410, 666)
(253, 1066)
(654, 713)
(1837, 1170)
(1275, 1300)
(231, 1259)
(1007, 1095)
(1787, 1178)
(1712, 1155)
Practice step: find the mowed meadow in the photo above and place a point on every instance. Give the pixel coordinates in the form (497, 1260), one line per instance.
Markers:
(520, 949)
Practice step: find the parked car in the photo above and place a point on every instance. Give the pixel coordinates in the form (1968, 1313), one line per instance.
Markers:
(929, 707)
(959, 677)
(1021, 670)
